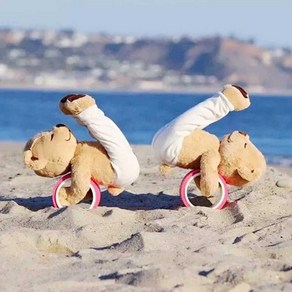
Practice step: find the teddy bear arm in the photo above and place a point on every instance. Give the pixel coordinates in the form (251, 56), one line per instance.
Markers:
(209, 172)
(80, 184)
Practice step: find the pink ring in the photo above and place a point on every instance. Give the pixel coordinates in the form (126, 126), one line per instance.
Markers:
(93, 186)
(189, 177)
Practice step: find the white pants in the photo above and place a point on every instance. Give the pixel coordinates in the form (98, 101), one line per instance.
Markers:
(105, 131)
(167, 142)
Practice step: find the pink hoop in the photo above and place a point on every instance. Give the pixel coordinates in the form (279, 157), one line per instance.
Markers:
(193, 174)
(96, 194)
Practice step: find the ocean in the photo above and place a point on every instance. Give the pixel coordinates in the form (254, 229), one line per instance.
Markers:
(268, 121)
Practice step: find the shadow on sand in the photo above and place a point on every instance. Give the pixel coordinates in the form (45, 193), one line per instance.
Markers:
(125, 200)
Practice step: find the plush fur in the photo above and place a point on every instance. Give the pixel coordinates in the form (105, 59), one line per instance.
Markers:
(235, 157)
(56, 152)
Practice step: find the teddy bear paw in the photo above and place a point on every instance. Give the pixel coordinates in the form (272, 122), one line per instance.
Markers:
(115, 191)
(65, 199)
(64, 202)
(74, 104)
(237, 96)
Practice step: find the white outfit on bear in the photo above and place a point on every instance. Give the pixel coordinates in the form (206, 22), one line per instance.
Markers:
(167, 142)
(105, 131)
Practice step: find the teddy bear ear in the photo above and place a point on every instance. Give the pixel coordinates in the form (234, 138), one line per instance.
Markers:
(32, 162)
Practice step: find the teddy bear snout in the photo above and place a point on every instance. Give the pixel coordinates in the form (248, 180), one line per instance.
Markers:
(237, 136)
(71, 97)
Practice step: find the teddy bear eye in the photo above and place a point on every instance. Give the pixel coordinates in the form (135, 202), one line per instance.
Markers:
(52, 136)
(245, 145)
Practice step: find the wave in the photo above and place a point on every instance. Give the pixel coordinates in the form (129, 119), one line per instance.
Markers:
(279, 160)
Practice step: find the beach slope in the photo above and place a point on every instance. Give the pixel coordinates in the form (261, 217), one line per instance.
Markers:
(142, 240)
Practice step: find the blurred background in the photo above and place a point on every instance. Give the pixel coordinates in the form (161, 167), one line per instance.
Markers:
(146, 45)
(145, 62)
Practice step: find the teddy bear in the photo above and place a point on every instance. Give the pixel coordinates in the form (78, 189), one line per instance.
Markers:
(183, 143)
(109, 159)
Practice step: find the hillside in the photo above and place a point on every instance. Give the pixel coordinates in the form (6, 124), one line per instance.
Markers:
(67, 59)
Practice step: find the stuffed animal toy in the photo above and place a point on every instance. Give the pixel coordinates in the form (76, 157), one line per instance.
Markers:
(109, 160)
(185, 144)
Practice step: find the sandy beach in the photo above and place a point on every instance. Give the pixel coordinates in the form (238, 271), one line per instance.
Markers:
(143, 240)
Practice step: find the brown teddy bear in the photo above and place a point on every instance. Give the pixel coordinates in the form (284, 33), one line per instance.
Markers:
(185, 144)
(109, 160)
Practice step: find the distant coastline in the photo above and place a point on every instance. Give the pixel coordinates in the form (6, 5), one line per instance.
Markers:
(62, 60)
(191, 90)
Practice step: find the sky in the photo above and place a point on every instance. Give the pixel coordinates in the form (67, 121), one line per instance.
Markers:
(268, 22)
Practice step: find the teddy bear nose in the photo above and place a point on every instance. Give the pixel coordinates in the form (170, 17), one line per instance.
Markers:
(71, 97)
(243, 92)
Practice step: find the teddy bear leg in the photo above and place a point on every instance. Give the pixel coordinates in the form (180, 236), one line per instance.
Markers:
(209, 172)
(124, 162)
(108, 134)
(168, 141)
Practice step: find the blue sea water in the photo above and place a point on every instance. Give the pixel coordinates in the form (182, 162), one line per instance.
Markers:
(139, 115)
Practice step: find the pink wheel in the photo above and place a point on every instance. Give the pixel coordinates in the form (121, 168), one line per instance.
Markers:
(66, 179)
(191, 195)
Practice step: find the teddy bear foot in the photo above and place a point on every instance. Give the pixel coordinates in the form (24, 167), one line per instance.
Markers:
(115, 191)
(237, 96)
(63, 201)
(74, 104)
(165, 168)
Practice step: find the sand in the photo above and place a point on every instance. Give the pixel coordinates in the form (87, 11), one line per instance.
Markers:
(143, 240)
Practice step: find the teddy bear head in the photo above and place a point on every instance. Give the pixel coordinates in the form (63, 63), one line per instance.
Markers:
(241, 162)
(49, 153)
